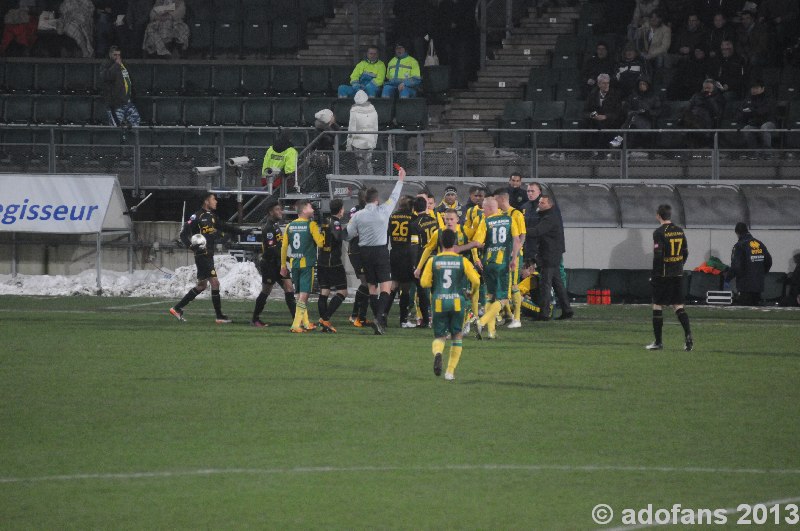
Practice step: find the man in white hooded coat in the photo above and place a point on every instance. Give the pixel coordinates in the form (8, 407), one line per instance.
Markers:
(363, 117)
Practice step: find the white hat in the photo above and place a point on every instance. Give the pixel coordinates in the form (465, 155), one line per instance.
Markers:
(360, 97)
(324, 116)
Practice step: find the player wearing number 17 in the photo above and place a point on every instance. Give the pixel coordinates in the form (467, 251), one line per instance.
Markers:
(447, 274)
(302, 237)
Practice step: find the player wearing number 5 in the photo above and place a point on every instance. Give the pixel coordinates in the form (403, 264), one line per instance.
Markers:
(447, 274)
(302, 238)
(498, 235)
(670, 252)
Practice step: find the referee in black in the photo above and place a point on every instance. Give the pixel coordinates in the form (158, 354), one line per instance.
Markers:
(669, 254)
(371, 226)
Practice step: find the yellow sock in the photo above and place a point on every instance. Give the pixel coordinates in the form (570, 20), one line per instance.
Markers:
(455, 355)
(476, 296)
(516, 298)
(438, 346)
(490, 313)
(298, 314)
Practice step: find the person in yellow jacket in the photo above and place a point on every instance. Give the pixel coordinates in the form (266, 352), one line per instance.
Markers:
(368, 75)
(280, 162)
(402, 75)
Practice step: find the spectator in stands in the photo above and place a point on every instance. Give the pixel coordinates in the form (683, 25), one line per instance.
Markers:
(362, 138)
(368, 75)
(280, 162)
(644, 108)
(19, 27)
(641, 13)
(602, 110)
(77, 23)
(675, 11)
(516, 193)
(402, 75)
(599, 63)
(320, 160)
(720, 31)
(690, 36)
(690, 72)
(753, 40)
(704, 111)
(750, 263)
(654, 39)
(166, 26)
(136, 19)
(117, 91)
(324, 122)
(629, 70)
(708, 8)
(758, 112)
(780, 16)
(729, 70)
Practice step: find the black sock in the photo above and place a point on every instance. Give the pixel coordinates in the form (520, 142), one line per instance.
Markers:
(322, 306)
(384, 300)
(356, 305)
(390, 302)
(658, 324)
(424, 305)
(261, 301)
(405, 301)
(290, 302)
(683, 317)
(216, 300)
(362, 309)
(189, 297)
(373, 304)
(334, 304)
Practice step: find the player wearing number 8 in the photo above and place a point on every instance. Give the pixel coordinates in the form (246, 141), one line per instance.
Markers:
(447, 274)
(300, 245)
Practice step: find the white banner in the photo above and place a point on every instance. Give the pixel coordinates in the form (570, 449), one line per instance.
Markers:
(61, 204)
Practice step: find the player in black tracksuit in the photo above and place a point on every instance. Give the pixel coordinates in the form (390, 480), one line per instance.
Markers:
(359, 315)
(330, 268)
(206, 222)
(422, 227)
(670, 252)
(401, 256)
(270, 263)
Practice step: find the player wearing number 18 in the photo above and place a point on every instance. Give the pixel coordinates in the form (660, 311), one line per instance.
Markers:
(447, 274)
(670, 252)
(302, 237)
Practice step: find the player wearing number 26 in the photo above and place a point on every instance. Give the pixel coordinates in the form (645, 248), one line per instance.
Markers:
(302, 238)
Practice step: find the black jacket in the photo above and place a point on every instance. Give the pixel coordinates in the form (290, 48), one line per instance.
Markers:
(529, 210)
(730, 71)
(750, 262)
(756, 110)
(517, 196)
(549, 233)
(646, 104)
(705, 110)
(116, 84)
(611, 107)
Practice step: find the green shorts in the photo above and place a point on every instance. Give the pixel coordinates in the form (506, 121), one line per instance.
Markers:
(496, 277)
(448, 322)
(303, 279)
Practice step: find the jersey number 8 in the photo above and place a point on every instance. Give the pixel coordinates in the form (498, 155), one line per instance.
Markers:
(296, 241)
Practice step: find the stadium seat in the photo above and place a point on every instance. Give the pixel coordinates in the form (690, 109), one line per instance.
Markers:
(340, 75)
(341, 110)
(615, 280)
(200, 35)
(18, 109)
(227, 37)
(145, 107)
(316, 9)
(436, 83)
(315, 81)
(411, 113)
(287, 112)
(385, 109)
(78, 110)
(788, 92)
(20, 78)
(256, 11)
(197, 80)
(774, 287)
(49, 78)
(228, 111)
(285, 9)
(566, 92)
(255, 80)
(168, 111)
(580, 280)
(99, 111)
(639, 289)
(312, 105)
(255, 37)
(141, 75)
(227, 10)
(257, 111)
(285, 36)
(79, 79)
(48, 109)
(285, 80)
(197, 111)
(226, 80)
(167, 80)
(701, 283)
(516, 115)
(540, 84)
(547, 115)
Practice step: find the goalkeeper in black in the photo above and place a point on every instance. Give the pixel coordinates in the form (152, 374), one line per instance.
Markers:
(207, 223)
(670, 252)
(330, 268)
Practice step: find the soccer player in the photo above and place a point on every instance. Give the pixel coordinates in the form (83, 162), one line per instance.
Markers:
(206, 222)
(434, 245)
(423, 227)
(450, 202)
(499, 237)
(670, 252)
(472, 217)
(330, 268)
(447, 274)
(359, 314)
(300, 244)
(519, 221)
(430, 208)
(402, 257)
(270, 263)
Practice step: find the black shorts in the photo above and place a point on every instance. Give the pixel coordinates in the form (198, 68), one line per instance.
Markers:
(358, 265)
(667, 291)
(333, 278)
(271, 272)
(205, 266)
(401, 267)
(376, 264)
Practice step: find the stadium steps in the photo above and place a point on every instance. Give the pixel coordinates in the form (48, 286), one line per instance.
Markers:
(530, 45)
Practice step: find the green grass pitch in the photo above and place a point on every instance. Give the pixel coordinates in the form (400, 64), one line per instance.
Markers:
(114, 415)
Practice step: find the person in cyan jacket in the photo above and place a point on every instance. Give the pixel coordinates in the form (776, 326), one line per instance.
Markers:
(750, 263)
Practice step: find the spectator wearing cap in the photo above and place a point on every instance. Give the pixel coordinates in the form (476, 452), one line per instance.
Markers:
(450, 201)
(324, 123)
(320, 160)
(629, 69)
(654, 39)
(599, 63)
(753, 40)
(758, 112)
(368, 75)
(363, 129)
(693, 34)
(402, 75)
(729, 69)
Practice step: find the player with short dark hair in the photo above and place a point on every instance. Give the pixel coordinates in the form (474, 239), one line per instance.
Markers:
(423, 227)
(447, 274)
(401, 257)
(206, 222)
(300, 244)
(670, 252)
(270, 263)
(330, 268)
